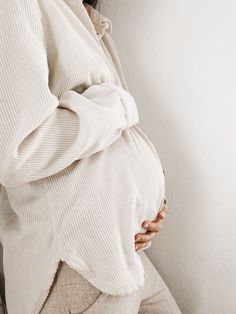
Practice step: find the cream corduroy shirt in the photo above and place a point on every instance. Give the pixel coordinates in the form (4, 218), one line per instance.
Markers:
(77, 174)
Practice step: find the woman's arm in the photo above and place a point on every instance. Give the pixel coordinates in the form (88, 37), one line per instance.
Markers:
(39, 133)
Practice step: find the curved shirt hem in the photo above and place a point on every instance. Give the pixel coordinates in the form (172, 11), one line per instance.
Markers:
(95, 281)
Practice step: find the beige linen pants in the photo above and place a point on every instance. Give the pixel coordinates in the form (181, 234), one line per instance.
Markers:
(71, 293)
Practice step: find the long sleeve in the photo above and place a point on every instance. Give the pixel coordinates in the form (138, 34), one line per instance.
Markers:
(40, 134)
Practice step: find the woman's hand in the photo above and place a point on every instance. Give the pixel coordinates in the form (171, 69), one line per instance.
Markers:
(153, 227)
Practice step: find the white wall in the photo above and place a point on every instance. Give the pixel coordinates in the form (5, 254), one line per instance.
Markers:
(179, 58)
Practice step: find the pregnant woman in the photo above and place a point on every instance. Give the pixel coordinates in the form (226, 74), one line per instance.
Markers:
(79, 178)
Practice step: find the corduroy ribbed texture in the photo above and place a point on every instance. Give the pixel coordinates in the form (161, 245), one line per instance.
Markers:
(77, 175)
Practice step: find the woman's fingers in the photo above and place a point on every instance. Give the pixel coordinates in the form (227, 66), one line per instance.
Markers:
(163, 212)
(140, 245)
(155, 226)
(152, 228)
(144, 237)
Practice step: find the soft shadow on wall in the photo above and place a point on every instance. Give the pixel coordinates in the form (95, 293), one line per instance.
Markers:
(179, 61)
(161, 127)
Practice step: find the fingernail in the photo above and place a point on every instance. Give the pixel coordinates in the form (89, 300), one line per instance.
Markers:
(138, 239)
(136, 247)
(145, 226)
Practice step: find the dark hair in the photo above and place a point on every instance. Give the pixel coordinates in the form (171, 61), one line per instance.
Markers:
(93, 3)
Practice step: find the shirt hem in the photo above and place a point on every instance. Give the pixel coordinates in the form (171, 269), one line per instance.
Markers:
(116, 291)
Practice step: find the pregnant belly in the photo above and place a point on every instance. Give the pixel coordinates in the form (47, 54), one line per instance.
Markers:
(144, 173)
(119, 186)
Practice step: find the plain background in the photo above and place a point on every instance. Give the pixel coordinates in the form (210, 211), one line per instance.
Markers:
(179, 58)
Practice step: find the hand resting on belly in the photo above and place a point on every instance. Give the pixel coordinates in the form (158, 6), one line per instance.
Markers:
(143, 240)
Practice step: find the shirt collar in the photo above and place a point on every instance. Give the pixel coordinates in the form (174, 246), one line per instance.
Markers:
(100, 22)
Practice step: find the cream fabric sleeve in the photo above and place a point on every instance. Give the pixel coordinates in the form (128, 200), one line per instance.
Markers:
(39, 133)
